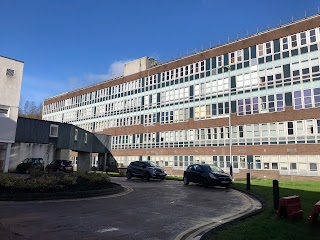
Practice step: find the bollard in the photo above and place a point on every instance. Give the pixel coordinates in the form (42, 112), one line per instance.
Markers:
(231, 173)
(248, 181)
(275, 187)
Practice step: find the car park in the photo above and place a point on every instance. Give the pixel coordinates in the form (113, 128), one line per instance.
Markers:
(60, 165)
(30, 164)
(206, 175)
(144, 169)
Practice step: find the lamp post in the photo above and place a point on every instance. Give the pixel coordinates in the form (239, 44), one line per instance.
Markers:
(227, 68)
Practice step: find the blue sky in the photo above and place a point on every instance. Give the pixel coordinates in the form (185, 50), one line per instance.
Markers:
(68, 44)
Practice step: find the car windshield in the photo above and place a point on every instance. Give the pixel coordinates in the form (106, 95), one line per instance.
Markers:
(150, 164)
(211, 168)
(66, 163)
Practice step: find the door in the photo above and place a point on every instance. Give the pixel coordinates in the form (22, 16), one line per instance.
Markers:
(198, 171)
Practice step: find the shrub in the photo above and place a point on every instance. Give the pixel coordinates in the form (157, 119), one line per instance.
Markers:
(42, 182)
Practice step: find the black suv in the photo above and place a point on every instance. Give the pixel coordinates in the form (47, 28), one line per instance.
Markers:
(145, 170)
(30, 164)
(206, 175)
(60, 165)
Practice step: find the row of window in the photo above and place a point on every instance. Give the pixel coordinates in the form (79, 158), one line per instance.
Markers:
(288, 43)
(253, 105)
(287, 164)
(307, 98)
(291, 132)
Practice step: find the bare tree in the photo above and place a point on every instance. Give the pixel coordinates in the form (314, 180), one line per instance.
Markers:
(31, 110)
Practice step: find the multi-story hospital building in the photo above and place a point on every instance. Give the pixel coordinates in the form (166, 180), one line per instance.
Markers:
(260, 93)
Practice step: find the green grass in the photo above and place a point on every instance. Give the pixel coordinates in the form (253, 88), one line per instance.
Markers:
(267, 225)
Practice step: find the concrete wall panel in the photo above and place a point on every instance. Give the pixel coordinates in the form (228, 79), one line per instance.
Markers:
(21, 151)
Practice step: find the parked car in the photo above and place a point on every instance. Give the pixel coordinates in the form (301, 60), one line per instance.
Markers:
(206, 175)
(30, 164)
(145, 170)
(60, 165)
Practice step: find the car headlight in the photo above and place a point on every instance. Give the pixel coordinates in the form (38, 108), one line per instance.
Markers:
(212, 176)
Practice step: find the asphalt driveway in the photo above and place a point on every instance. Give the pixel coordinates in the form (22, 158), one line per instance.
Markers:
(150, 210)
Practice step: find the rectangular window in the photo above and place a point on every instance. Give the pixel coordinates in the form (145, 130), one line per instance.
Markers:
(258, 162)
(242, 162)
(232, 58)
(235, 161)
(310, 130)
(260, 50)
(4, 111)
(54, 130)
(312, 36)
(76, 134)
(290, 128)
(10, 72)
(293, 166)
(316, 93)
(219, 61)
(313, 167)
(303, 39)
(274, 165)
(294, 41)
(85, 137)
(221, 161)
(285, 44)
(239, 55)
(268, 48)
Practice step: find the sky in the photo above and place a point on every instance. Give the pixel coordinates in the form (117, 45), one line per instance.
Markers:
(69, 44)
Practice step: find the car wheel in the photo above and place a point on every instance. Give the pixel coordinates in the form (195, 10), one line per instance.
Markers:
(228, 186)
(162, 178)
(185, 180)
(147, 176)
(128, 174)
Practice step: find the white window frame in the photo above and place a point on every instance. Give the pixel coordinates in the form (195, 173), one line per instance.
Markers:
(85, 138)
(52, 133)
(4, 111)
(76, 135)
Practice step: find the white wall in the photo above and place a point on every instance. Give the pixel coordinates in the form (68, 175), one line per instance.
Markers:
(21, 151)
(135, 66)
(10, 87)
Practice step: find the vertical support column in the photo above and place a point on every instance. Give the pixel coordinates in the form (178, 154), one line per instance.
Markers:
(102, 161)
(84, 162)
(7, 158)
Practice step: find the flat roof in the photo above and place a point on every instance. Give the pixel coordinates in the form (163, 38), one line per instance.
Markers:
(11, 59)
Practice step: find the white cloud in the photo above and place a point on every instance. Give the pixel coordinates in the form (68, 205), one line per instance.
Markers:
(115, 69)
(37, 89)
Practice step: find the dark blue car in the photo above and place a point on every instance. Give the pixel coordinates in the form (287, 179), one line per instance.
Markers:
(206, 175)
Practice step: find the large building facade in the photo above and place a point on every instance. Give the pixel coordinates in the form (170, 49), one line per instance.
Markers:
(253, 104)
(10, 85)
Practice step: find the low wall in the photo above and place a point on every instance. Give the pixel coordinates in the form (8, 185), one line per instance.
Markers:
(21, 151)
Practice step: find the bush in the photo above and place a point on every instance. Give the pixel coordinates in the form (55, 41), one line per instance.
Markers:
(60, 182)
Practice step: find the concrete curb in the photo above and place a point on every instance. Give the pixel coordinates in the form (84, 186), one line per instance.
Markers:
(61, 195)
(210, 233)
(204, 231)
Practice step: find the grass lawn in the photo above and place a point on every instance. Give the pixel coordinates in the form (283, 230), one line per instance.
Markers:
(267, 225)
